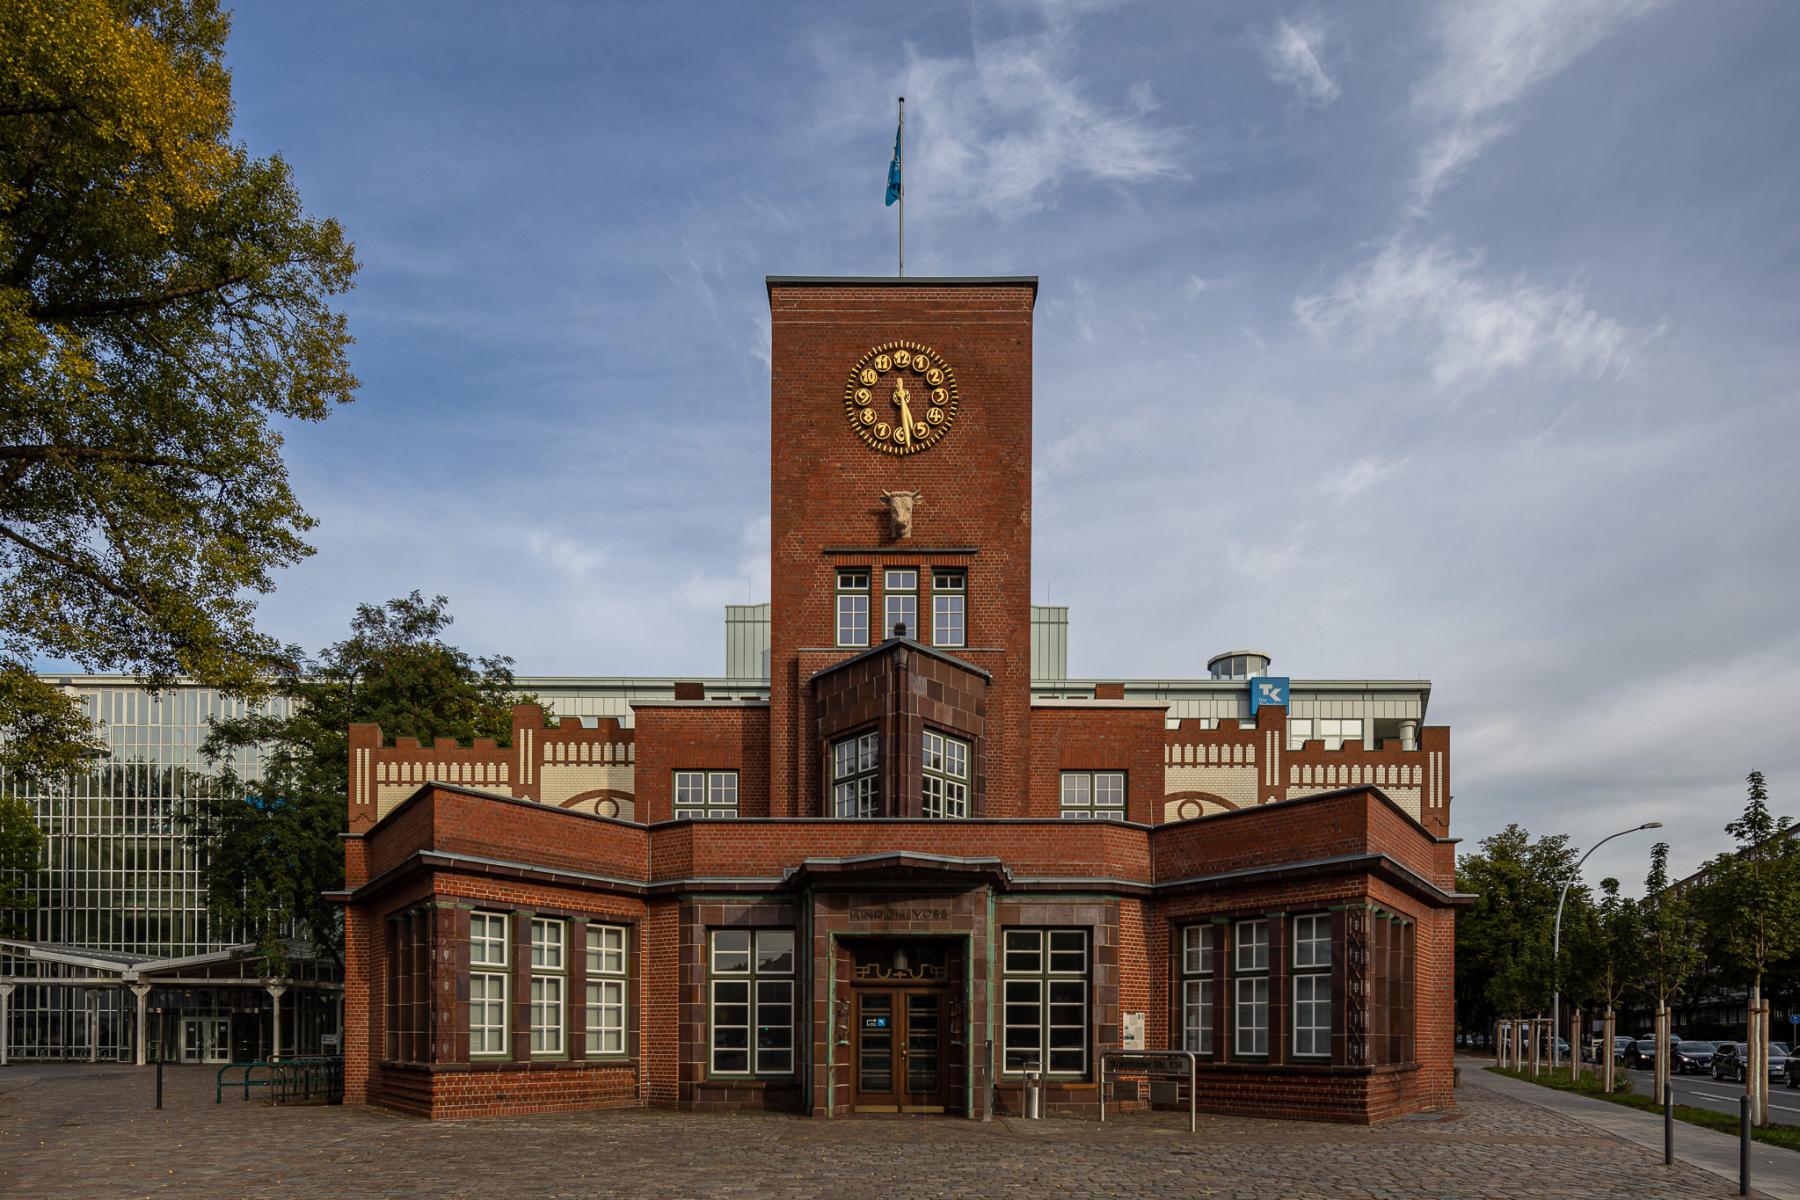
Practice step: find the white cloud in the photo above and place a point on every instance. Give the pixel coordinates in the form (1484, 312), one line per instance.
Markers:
(1358, 476)
(1293, 53)
(1198, 285)
(1474, 328)
(1494, 52)
(1005, 127)
(1264, 561)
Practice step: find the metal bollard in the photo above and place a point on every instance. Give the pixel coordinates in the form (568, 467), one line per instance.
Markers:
(159, 1062)
(1668, 1124)
(1744, 1145)
(1034, 1096)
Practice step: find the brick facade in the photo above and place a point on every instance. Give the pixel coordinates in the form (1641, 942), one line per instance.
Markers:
(789, 958)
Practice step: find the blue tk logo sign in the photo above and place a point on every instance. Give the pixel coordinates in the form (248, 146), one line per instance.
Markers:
(1270, 690)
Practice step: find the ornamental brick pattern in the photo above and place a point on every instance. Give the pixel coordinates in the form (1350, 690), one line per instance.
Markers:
(895, 996)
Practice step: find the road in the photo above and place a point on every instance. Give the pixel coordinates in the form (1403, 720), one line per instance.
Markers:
(1703, 1091)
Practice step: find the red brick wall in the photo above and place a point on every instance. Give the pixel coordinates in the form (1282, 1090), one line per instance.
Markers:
(674, 738)
(826, 490)
(1098, 739)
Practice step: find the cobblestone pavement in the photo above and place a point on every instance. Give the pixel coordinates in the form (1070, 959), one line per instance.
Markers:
(68, 1131)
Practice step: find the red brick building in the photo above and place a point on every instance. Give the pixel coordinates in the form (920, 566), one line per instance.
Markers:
(896, 879)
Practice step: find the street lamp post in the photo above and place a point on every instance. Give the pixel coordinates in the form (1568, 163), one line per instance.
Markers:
(1556, 944)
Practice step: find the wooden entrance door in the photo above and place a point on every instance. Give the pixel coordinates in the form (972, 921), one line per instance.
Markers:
(900, 1046)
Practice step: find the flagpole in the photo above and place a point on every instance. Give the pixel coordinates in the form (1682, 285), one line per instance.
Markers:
(900, 153)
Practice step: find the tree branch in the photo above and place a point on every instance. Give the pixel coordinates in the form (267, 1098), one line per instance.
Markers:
(116, 305)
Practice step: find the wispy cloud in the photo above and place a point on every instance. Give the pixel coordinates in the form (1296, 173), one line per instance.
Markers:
(1005, 127)
(1198, 285)
(1493, 53)
(1293, 52)
(1475, 328)
(1358, 476)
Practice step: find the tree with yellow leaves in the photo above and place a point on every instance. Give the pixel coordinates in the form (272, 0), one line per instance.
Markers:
(165, 302)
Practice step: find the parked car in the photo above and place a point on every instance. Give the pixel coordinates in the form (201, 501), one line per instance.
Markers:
(1594, 1047)
(1729, 1059)
(1692, 1058)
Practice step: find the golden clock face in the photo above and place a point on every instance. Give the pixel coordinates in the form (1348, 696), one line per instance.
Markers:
(901, 398)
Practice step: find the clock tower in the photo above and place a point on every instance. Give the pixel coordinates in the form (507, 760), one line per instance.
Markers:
(917, 389)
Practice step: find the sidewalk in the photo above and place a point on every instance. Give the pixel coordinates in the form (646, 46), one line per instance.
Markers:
(1774, 1172)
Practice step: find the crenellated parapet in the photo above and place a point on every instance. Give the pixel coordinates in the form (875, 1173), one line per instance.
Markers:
(1236, 765)
(566, 765)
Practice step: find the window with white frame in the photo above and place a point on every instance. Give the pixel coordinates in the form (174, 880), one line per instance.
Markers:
(606, 984)
(900, 603)
(1197, 988)
(1300, 729)
(1250, 982)
(752, 1010)
(946, 782)
(1044, 995)
(855, 775)
(1335, 732)
(489, 970)
(852, 608)
(1312, 985)
(1093, 795)
(549, 985)
(949, 608)
(706, 795)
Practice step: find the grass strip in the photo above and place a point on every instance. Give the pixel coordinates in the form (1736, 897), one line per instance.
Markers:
(1785, 1136)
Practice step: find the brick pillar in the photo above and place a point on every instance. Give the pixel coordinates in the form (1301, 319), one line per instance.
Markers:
(449, 983)
(575, 1011)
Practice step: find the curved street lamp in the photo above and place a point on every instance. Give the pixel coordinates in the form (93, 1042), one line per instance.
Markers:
(1556, 943)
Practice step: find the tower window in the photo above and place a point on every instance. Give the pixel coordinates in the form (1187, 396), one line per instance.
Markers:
(855, 779)
(946, 783)
(900, 589)
(852, 608)
(949, 598)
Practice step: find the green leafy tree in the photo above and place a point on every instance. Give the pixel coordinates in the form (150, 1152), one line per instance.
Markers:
(1605, 951)
(1672, 932)
(164, 307)
(1503, 959)
(1750, 896)
(271, 837)
(21, 854)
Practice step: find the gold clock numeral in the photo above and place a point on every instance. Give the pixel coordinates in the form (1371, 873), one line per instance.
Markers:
(919, 416)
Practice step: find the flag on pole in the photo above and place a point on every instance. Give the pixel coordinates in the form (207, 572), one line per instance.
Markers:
(893, 192)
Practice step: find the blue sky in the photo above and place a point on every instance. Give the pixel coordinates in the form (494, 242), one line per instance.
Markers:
(1445, 340)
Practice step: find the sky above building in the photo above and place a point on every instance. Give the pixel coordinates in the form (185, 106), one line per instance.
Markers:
(1416, 340)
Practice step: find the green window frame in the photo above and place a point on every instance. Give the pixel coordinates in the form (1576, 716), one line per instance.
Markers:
(1044, 1002)
(1093, 795)
(608, 984)
(1197, 976)
(752, 996)
(490, 978)
(1311, 967)
(549, 987)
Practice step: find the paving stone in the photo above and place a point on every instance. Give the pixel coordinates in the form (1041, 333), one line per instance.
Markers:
(78, 1131)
